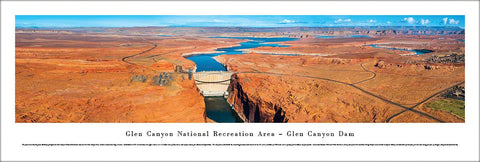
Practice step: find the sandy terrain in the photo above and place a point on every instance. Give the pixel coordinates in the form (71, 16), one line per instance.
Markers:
(132, 75)
(354, 83)
(65, 77)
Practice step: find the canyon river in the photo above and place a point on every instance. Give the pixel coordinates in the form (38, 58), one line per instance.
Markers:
(416, 51)
(217, 108)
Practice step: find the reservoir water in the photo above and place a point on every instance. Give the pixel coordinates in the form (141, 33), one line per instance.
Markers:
(217, 108)
(417, 51)
(205, 62)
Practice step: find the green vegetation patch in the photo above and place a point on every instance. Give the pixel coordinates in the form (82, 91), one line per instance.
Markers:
(456, 107)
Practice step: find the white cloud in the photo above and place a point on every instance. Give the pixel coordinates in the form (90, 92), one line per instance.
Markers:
(409, 20)
(372, 21)
(424, 22)
(287, 21)
(342, 20)
(453, 21)
(217, 20)
(445, 21)
(388, 22)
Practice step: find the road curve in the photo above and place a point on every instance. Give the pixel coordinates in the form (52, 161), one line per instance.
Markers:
(423, 101)
(364, 91)
(124, 59)
(373, 76)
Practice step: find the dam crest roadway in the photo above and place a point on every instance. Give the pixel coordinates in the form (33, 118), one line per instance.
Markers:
(213, 83)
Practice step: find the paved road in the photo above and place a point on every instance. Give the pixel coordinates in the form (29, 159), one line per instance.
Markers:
(370, 93)
(423, 101)
(373, 76)
(124, 59)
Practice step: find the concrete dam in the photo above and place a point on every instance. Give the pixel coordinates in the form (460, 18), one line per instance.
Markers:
(213, 83)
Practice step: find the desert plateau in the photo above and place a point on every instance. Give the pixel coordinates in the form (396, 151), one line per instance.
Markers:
(413, 73)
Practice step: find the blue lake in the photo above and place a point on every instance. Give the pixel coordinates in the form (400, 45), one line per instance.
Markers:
(417, 51)
(217, 108)
(205, 62)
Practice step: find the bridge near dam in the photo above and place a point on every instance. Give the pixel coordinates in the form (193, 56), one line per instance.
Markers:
(213, 83)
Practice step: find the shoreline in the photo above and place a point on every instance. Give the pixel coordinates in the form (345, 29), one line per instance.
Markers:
(256, 36)
(287, 53)
(209, 51)
(190, 54)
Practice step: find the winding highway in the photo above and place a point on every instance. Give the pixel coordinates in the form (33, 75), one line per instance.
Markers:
(373, 75)
(423, 101)
(371, 94)
(124, 59)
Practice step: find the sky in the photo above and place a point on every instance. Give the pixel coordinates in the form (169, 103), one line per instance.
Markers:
(236, 20)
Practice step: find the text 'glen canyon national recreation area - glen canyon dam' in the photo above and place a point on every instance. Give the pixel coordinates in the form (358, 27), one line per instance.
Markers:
(227, 69)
